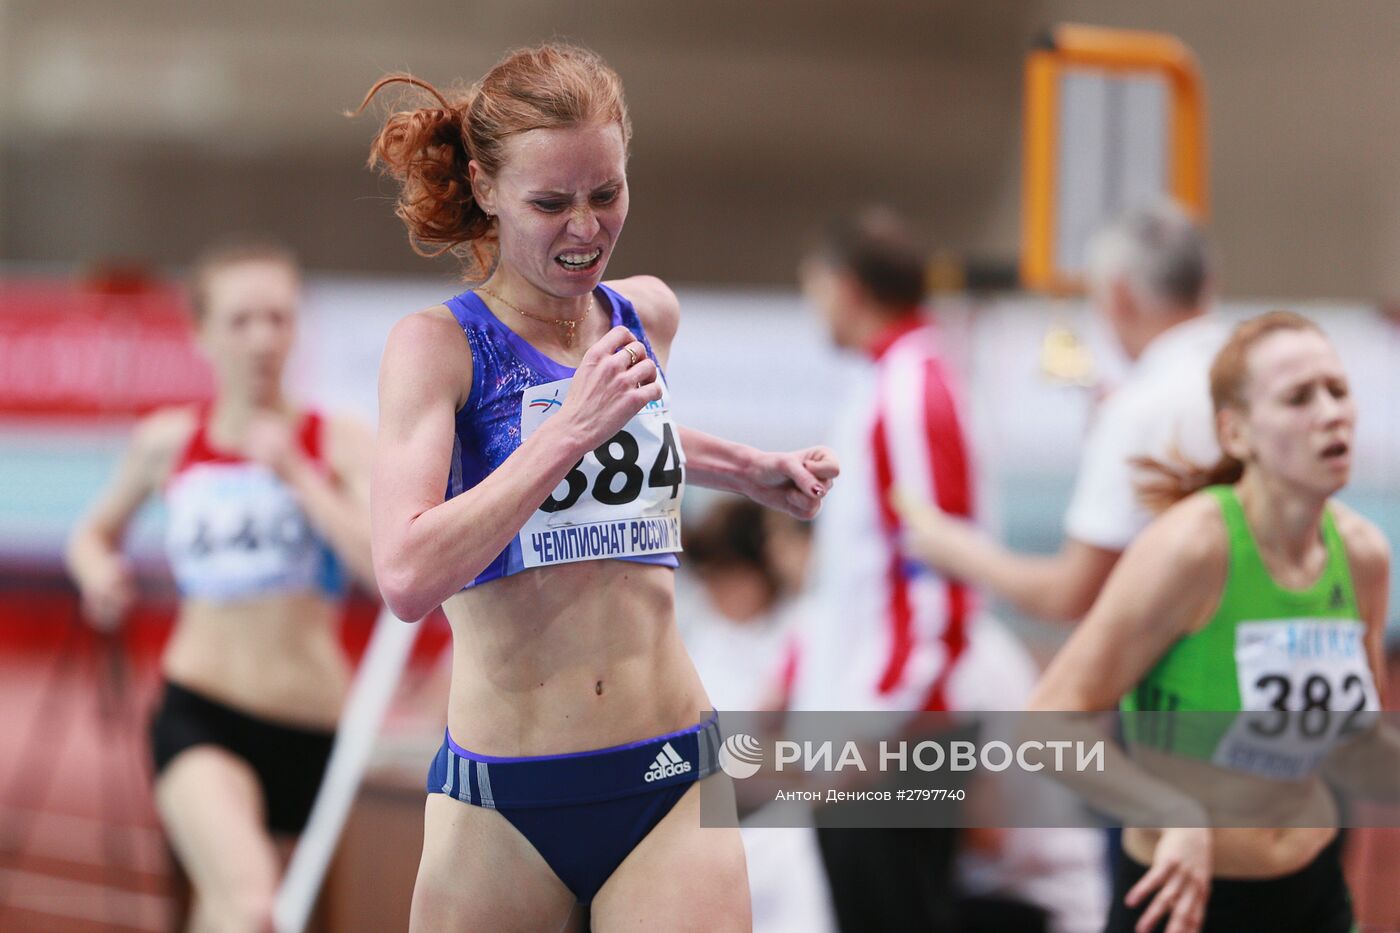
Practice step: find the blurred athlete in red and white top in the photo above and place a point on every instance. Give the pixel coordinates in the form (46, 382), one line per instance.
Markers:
(267, 517)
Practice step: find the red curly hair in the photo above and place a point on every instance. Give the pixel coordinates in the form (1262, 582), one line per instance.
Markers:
(427, 149)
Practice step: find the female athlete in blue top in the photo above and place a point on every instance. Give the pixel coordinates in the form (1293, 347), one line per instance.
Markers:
(526, 439)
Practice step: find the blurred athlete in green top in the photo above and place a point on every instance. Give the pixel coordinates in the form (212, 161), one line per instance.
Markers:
(1253, 592)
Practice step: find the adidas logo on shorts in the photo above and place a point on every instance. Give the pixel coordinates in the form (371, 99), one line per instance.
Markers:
(667, 764)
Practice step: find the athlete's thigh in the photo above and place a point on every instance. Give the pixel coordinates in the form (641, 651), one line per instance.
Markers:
(211, 805)
(479, 873)
(679, 866)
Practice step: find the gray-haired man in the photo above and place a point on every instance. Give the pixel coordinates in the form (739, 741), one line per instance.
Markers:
(1149, 277)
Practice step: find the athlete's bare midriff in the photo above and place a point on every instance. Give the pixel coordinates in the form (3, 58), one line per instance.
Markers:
(277, 657)
(569, 658)
(1245, 854)
(1303, 814)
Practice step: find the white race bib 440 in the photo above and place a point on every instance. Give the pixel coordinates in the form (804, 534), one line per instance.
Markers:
(622, 499)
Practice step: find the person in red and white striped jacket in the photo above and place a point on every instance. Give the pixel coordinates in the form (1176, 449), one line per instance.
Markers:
(888, 632)
(883, 633)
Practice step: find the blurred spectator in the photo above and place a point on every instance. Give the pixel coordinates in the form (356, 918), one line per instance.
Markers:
(887, 634)
(1149, 279)
(748, 563)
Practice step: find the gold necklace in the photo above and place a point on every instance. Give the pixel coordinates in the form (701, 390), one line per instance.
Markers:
(569, 324)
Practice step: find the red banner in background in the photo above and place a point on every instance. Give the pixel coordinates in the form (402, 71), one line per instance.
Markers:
(71, 349)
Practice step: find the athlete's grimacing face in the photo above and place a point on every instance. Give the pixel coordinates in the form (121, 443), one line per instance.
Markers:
(249, 325)
(1299, 415)
(560, 200)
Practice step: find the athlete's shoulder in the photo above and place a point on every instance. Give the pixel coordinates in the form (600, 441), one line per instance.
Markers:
(427, 353)
(432, 332)
(165, 431)
(1368, 550)
(161, 437)
(1191, 534)
(1179, 564)
(655, 302)
(427, 325)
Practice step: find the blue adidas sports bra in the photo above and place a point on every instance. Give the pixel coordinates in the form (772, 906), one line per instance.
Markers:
(621, 500)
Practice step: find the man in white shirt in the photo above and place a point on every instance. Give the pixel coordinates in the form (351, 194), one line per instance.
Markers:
(1149, 278)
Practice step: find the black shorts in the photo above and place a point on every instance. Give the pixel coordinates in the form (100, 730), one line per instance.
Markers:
(1313, 899)
(288, 760)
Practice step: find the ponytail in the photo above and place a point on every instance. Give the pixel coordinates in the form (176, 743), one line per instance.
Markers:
(427, 150)
(1160, 484)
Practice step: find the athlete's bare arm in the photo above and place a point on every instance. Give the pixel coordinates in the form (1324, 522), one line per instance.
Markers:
(1369, 769)
(426, 549)
(1368, 553)
(657, 307)
(1168, 584)
(94, 553)
(1058, 587)
(793, 481)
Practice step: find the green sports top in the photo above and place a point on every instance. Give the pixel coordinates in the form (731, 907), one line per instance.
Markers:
(1267, 648)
